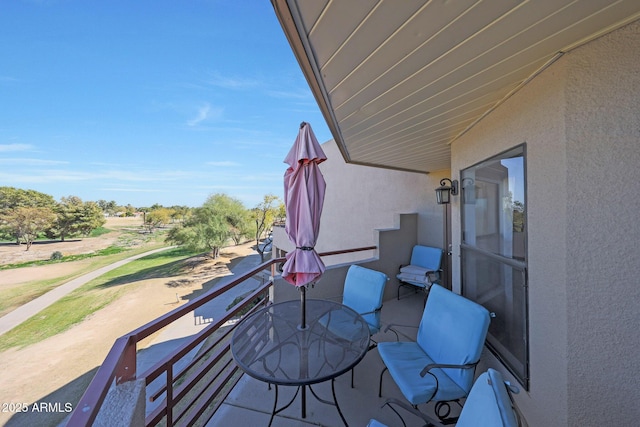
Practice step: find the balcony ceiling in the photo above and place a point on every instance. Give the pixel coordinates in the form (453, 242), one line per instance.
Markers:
(398, 81)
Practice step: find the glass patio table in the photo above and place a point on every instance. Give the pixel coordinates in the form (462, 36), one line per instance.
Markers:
(272, 346)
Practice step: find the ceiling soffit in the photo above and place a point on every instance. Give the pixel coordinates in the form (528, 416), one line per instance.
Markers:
(398, 81)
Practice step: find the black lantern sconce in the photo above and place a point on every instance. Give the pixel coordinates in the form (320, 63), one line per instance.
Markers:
(444, 193)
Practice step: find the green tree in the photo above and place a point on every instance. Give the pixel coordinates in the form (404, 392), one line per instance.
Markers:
(110, 208)
(263, 216)
(128, 210)
(180, 213)
(75, 217)
(29, 222)
(157, 218)
(281, 216)
(12, 198)
(235, 216)
(91, 218)
(67, 211)
(209, 227)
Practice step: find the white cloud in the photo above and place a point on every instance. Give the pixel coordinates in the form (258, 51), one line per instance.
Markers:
(133, 190)
(8, 79)
(232, 82)
(31, 162)
(224, 164)
(205, 113)
(61, 175)
(15, 147)
(291, 94)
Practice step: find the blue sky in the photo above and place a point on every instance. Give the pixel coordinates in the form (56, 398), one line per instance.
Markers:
(147, 102)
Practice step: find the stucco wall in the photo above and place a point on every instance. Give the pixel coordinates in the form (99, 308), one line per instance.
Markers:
(579, 119)
(360, 200)
(394, 249)
(603, 203)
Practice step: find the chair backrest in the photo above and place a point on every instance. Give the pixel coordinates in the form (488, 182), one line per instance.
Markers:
(426, 257)
(489, 403)
(363, 291)
(453, 330)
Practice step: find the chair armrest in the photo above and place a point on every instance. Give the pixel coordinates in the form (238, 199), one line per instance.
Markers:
(431, 366)
(390, 327)
(377, 310)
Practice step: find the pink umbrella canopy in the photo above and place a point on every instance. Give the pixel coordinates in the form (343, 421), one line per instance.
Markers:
(304, 188)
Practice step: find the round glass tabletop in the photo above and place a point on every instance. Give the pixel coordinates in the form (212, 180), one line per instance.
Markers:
(272, 346)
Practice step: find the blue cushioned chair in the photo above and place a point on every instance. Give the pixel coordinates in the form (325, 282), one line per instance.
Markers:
(439, 366)
(363, 292)
(489, 404)
(423, 269)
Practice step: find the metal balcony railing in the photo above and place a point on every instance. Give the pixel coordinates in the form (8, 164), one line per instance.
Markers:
(191, 382)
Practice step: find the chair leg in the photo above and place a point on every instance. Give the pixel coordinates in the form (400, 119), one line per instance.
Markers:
(400, 286)
(415, 289)
(397, 413)
(380, 385)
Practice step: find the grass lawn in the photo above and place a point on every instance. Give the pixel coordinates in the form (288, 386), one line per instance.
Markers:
(129, 243)
(92, 296)
(16, 296)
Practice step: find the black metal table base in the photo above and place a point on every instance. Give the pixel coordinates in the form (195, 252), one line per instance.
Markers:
(303, 397)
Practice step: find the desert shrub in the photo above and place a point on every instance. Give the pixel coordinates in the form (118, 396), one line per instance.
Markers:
(57, 255)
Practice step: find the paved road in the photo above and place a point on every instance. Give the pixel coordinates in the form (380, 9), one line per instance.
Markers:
(20, 314)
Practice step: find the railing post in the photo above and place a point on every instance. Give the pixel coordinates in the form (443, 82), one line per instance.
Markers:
(126, 371)
(273, 280)
(170, 395)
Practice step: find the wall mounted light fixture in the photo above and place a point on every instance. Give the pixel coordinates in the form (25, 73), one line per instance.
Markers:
(444, 193)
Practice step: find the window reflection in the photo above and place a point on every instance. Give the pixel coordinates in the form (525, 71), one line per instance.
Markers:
(494, 205)
(494, 253)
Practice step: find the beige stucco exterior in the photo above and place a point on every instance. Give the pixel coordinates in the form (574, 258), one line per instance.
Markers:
(581, 124)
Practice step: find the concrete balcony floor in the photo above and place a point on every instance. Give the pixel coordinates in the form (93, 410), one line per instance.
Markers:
(250, 402)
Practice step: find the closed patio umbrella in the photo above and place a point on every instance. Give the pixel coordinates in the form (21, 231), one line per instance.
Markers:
(304, 188)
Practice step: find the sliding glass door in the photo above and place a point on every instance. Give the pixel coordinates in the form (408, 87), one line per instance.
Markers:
(494, 253)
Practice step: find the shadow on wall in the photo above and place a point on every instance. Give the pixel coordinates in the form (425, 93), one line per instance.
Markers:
(394, 249)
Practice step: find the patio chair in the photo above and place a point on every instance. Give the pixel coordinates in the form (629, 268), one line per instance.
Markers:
(363, 292)
(423, 269)
(489, 404)
(439, 366)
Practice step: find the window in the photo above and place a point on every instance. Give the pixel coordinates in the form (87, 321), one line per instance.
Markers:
(494, 253)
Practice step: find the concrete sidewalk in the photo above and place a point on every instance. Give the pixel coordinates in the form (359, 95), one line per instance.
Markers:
(33, 307)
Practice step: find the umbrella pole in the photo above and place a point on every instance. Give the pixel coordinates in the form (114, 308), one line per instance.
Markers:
(303, 307)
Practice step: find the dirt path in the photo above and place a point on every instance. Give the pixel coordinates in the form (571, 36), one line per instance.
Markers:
(57, 370)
